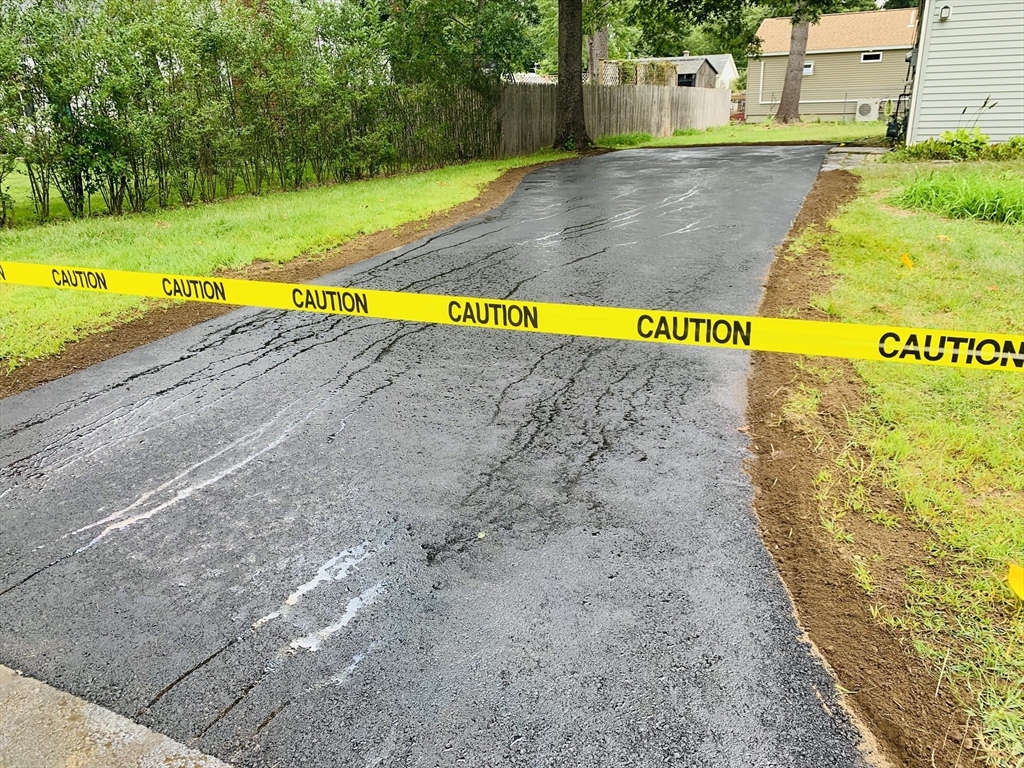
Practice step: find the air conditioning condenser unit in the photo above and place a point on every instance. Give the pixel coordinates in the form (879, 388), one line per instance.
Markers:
(867, 109)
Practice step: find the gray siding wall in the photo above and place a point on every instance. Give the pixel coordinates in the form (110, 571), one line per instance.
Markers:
(977, 53)
(830, 93)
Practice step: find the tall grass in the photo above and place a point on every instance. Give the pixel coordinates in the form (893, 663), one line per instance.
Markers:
(983, 193)
(634, 139)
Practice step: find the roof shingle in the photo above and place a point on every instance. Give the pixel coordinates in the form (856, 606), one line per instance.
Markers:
(864, 29)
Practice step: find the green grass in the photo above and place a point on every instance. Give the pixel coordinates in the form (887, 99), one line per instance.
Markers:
(634, 139)
(949, 441)
(770, 133)
(967, 193)
(37, 322)
(17, 184)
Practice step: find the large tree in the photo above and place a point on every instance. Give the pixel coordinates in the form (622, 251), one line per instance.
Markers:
(803, 14)
(570, 125)
(789, 104)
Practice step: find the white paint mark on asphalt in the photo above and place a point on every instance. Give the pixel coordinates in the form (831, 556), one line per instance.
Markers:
(682, 230)
(312, 642)
(346, 673)
(335, 569)
(184, 493)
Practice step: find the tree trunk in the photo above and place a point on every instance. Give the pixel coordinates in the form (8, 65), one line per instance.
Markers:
(570, 128)
(597, 51)
(789, 104)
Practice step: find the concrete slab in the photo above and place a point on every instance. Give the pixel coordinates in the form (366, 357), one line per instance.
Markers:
(41, 726)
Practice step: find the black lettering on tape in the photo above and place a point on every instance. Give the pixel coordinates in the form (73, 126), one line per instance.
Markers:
(1009, 353)
(981, 346)
(79, 278)
(493, 314)
(3, 275)
(911, 348)
(888, 336)
(331, 300)
(191, 288)
(929, 355)
(640, 326)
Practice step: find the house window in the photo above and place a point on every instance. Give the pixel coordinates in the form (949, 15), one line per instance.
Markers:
(877, 56)
(808, 67)
(688, 81)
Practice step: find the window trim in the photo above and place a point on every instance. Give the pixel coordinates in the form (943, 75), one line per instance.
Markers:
(871, 61)
(808, 68)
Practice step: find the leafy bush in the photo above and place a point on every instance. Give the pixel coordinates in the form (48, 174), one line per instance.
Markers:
(170, 101)
(985, 193)
(625, 139)
(960, 145)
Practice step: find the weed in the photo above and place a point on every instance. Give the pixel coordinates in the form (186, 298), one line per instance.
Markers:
(801, 406)
(836, 530)
(884, 519)
(862, 575)
(959, 145)
(625, 139)
(984, 193)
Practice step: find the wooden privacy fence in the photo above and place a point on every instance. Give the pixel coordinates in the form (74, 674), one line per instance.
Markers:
(527, 112)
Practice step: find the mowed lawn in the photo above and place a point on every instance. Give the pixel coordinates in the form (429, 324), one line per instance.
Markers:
(949, 441)
(770, 133)
(276, 227)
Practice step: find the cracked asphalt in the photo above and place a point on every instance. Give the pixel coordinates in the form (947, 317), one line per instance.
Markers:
(303, 540)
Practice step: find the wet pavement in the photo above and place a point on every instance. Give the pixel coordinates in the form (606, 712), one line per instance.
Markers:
(300, 540)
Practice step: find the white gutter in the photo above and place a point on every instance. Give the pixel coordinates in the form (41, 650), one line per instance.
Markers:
(869, 48)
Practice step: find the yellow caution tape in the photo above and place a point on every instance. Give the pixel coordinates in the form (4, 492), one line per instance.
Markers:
(802, 337)
(1016, 579)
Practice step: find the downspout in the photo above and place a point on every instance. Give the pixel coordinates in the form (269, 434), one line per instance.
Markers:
(760, 86)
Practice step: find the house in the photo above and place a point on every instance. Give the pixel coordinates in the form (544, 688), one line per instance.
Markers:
(722, 65)
(854, 62)
(968, 69)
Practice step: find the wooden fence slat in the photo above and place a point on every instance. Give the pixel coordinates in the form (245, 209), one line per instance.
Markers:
(526, 112)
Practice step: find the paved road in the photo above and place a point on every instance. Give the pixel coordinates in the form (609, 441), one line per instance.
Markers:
(297, 540)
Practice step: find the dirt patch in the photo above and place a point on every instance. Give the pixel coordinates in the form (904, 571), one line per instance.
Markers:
(797, 416)
(163, 319)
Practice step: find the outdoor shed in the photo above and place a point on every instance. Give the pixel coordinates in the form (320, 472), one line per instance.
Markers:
(695, 73)
(854, 63)
(969, 69)
(647, 70)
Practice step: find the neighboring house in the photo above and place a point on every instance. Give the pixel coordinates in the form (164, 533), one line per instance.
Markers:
(722, 65)
(852, 59)
(968, 52)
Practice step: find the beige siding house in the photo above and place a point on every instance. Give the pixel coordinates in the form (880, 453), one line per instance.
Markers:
(851, 58)
(969, 51)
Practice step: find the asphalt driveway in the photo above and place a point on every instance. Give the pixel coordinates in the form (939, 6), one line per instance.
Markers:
(301, 540)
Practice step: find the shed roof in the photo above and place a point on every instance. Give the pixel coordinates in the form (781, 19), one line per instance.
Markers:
(838, 31)
(692, 65)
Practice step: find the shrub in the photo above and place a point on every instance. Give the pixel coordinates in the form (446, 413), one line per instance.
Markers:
(985, 194)
(634, 139)
(959, 145)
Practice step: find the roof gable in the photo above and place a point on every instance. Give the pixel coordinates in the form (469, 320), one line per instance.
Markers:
(692, 65)
(836, 31)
